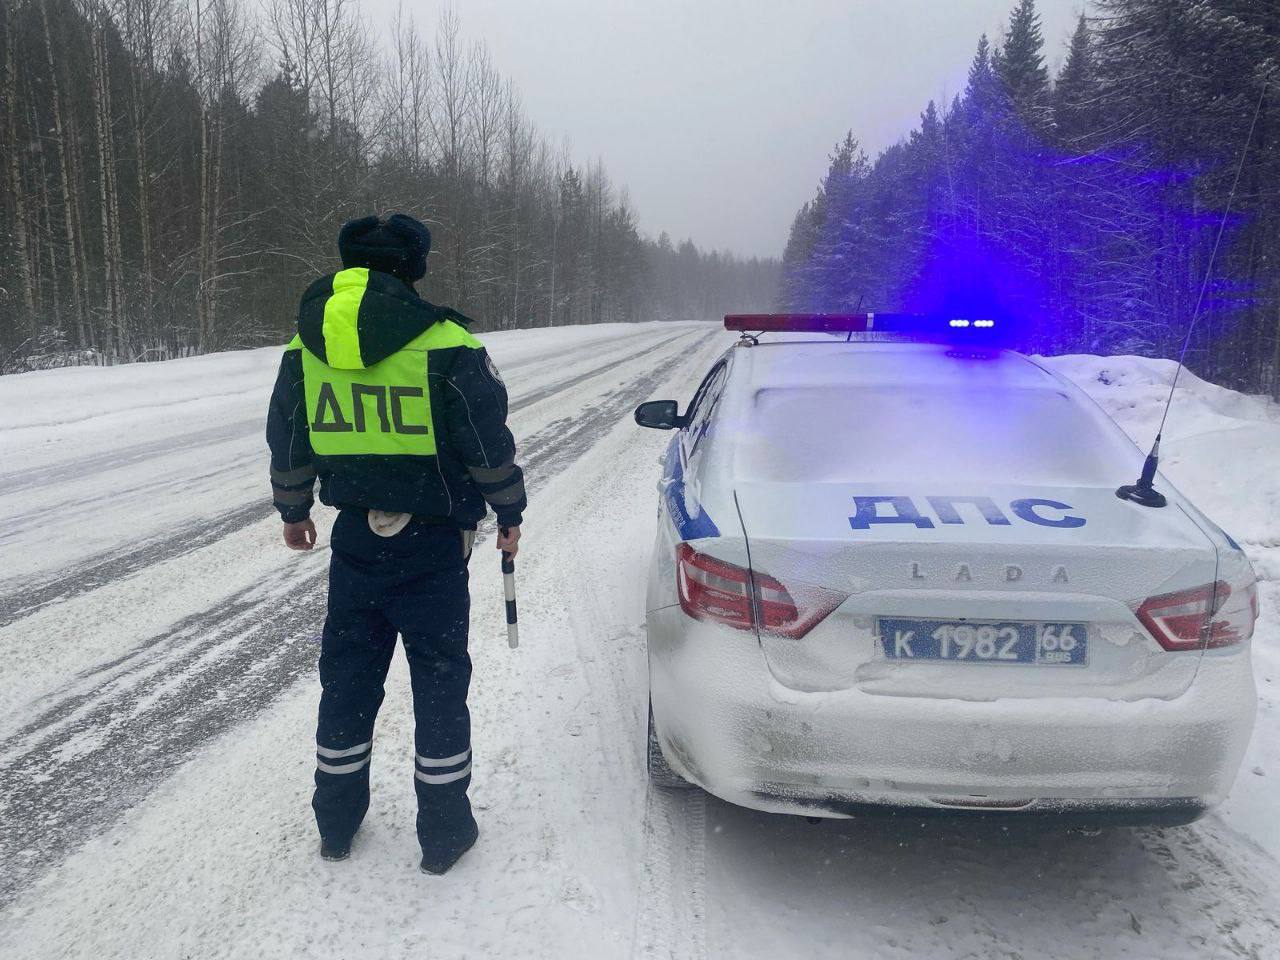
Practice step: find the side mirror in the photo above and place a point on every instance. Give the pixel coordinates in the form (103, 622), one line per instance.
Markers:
(659, 414)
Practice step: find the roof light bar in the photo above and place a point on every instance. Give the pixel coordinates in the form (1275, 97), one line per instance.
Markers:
(849, 323)
(801, 322)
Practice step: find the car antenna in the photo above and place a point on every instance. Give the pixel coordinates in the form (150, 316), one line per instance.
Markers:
(1144, 492)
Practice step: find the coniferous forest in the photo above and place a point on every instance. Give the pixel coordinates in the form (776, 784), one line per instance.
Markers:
(175, 173)
(1084, 206)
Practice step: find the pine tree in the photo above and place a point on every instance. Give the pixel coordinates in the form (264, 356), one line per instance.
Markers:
(1091, 222)
(794, 292)
(981, 91)
(1076, 99)
(1021, 67)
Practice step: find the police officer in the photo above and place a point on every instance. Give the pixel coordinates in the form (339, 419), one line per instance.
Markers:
(399, 411)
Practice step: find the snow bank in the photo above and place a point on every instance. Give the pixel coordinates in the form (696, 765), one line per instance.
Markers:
(1221, 448)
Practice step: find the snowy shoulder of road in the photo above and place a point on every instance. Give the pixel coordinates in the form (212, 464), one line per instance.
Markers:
(577, 858)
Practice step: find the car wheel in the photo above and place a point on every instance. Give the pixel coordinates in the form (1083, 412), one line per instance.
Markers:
(660, 772)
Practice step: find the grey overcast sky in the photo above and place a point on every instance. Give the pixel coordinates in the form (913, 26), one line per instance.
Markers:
(719, 115)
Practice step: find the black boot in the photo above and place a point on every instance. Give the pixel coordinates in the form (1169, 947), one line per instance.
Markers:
(334, 850)
(440, 858)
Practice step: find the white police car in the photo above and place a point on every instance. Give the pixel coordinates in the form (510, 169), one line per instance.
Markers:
(898, 575)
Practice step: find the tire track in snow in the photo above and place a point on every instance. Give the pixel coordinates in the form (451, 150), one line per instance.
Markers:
(545, 448)
(1230, 900)
(107, 495)
(671, 916)
(117, 564)
(87, 758)
(11, 483)
(86, 467)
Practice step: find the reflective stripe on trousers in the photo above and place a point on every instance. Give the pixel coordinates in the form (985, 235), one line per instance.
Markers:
(436, 770)
(355, 758)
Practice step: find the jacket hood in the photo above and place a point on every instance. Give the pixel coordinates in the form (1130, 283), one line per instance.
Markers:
(357, 317)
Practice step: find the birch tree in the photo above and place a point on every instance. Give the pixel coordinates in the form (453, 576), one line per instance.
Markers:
(173, 174)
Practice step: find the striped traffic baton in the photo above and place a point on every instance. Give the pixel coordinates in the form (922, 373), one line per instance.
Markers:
(509, 588)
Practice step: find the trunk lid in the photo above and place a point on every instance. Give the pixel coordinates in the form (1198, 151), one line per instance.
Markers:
(1015, 553)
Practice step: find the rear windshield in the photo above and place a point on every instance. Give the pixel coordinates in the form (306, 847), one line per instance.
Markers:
(850, 433)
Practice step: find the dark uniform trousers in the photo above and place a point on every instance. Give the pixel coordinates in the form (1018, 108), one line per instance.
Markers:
(413, 584)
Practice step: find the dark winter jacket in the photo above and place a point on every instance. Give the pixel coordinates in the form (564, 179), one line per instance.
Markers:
(394, 405)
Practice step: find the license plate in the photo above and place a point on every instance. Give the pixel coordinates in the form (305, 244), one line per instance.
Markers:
(970, 641)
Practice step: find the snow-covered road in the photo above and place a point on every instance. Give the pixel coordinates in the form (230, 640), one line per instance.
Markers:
(157, 697)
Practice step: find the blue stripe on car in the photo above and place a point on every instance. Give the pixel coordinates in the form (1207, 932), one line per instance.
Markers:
(690, 526)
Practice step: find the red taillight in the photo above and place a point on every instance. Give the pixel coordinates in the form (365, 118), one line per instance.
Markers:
(712, 589)
(1212, 615)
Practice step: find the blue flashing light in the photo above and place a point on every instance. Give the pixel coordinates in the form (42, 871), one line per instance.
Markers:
(947, 328)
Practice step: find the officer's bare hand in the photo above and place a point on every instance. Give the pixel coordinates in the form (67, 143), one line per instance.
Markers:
(509, 540)
(300, 536)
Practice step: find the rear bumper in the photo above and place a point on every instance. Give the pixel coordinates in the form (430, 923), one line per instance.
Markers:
(1162, 812)
(725, 724)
